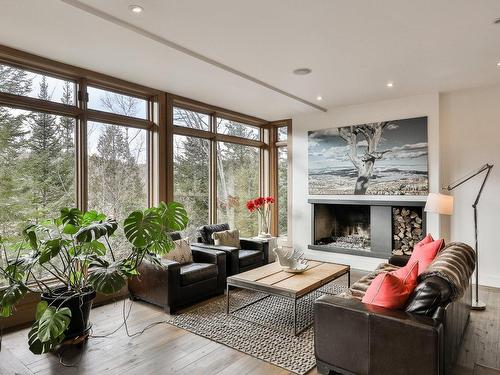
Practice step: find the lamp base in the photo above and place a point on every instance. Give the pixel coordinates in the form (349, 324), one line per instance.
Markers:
(478, 306)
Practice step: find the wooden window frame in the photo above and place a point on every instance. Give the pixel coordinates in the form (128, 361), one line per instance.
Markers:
(273, 173)
(159, 125)
(174, 101)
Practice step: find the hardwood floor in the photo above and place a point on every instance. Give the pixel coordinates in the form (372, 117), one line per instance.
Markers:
(165, 349)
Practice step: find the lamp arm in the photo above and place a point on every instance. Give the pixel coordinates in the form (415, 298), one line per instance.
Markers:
(463, 180)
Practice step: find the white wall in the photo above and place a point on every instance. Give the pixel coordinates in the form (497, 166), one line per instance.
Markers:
(415, 106)
(470, 130)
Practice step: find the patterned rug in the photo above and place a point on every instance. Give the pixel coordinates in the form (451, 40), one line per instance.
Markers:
(262, 329)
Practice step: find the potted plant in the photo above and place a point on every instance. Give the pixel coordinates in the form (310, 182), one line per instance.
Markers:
(75, 250)
(263, 206)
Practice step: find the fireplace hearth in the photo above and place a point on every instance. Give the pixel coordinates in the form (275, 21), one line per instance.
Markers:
(366, 228)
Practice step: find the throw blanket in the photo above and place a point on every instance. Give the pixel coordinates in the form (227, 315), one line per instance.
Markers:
(455, 263)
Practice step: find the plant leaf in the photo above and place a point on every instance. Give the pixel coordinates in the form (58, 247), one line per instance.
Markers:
(174, 216)
(90, 217)
(40, 309)
(71, 216)
(53, 323)
(70, 229)
(30, 235)
(107, 279)
(50, 249)
(141, 227)
(9, 297)
(95, 247)
(161, 244)
(36, 346)
(96, 230)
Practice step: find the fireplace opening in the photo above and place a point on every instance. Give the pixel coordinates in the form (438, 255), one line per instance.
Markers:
(342, 226)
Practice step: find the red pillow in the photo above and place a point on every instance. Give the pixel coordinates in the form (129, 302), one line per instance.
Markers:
(425, 254)
(427, 239)
(389, 290)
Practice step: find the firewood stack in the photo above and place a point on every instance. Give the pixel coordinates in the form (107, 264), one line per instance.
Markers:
(407, 230)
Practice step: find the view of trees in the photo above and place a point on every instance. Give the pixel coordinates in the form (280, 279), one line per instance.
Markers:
(191, 179)
(37, 155)
(282, 191)
(238, 171)
(117, 164)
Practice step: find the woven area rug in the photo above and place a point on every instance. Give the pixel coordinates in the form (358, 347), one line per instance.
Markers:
(263, 329)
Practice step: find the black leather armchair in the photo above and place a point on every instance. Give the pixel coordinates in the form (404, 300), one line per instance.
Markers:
(252, 254)
(174, 286)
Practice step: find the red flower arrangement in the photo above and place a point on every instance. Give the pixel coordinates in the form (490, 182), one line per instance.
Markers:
(263, 206)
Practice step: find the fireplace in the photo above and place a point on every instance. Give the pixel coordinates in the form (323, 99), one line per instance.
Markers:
(344, 226)
(368, 228)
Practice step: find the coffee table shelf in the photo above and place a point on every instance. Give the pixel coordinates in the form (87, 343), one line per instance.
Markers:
(272, 280)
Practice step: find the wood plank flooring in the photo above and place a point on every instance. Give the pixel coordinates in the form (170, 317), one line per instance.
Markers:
(165, 349)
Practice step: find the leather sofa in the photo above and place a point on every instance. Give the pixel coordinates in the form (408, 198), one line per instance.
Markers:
(252, 254)
(174, 286)
(356, 338)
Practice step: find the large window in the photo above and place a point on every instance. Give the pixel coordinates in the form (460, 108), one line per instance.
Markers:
(27, 83)
(237, 129)
(117, 172)
(238, 176)
(120, 104)
(280, 167)
(192, 179)
(41, 150)
(216, 171)
(282, 191)
(37, 154)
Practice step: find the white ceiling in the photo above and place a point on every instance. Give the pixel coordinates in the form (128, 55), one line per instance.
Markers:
(354, 47)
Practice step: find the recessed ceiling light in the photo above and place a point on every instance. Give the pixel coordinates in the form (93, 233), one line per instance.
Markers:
(302, 71)
(498, 63)
(319, 97)
(136, 8)
(390, 84)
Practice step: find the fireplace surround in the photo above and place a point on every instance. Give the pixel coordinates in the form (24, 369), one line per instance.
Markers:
(364, 227)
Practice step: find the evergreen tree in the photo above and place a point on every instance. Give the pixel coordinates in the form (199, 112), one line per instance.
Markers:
(12, 143)
(51, 175)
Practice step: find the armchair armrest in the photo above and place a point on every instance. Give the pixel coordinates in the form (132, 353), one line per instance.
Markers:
(215, 257)
(360, 338)
(248, 244)
(156, 284)
(201, 255)
(227, 249)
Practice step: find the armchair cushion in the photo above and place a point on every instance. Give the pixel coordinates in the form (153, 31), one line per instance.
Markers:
(227, 238)
(194, 272)
(206, 231)
(249, 257)
(181, 253)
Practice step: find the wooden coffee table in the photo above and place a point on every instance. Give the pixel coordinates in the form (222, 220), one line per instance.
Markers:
(272, 280)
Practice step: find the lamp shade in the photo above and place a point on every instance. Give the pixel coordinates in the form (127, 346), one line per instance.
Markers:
(439, 203)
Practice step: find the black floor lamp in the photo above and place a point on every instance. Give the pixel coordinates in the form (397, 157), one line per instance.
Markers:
(443, 204)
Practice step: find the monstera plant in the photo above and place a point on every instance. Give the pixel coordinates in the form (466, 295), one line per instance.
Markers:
(76, 251)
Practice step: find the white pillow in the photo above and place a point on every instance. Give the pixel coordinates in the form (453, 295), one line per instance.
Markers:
(181, 253)
(227, 238)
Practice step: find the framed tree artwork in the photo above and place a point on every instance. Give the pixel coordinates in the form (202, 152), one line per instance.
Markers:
(380, 158)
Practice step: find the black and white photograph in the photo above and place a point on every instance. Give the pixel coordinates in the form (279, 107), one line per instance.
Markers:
(380, 158)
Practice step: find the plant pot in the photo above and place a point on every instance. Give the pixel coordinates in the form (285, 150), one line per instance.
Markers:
(79, 305)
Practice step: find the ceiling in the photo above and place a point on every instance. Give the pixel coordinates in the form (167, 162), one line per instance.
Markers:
(354, 47)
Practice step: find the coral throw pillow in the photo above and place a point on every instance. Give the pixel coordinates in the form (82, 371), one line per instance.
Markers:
(391, 290)
(425, 241)
(424, 254)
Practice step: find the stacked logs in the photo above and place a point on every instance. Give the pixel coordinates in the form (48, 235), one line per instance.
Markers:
(407, 230)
